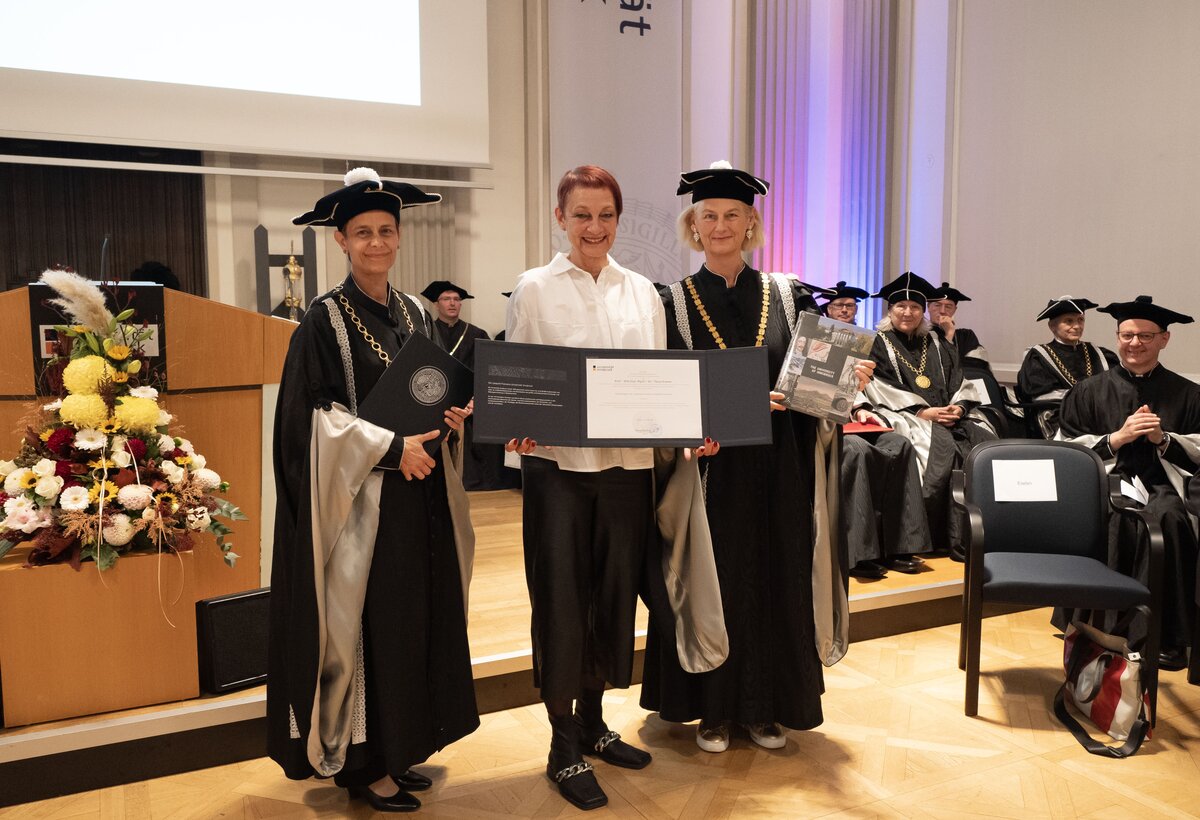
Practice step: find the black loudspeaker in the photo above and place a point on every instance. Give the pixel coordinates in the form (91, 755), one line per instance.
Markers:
(231, 637)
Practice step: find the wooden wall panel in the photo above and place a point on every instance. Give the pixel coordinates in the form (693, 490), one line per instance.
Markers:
(16, 365)
(210, 344)
(276, 338)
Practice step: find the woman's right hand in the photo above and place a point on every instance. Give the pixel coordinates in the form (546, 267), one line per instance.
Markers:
(416, 463)
(777, 401)
(521, 447)
(945, 416)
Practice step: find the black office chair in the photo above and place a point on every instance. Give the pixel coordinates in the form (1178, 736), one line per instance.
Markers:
(1049, 553)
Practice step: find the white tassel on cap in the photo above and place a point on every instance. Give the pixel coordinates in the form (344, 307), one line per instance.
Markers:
(721, 165)
(356, 175)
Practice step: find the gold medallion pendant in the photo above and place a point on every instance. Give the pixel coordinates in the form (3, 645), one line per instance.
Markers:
(923, 381)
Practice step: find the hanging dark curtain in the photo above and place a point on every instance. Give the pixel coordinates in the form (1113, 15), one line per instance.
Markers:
(60, 215)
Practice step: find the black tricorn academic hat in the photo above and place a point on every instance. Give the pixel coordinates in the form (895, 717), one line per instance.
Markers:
(439, 286)
(722, 181)
(506, 293)
(907, 286)
(1065, 305)
(1143, 307)
(947, 292)
(364, 191)
(843, 291)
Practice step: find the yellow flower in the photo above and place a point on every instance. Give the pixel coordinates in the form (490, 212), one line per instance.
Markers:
(183, 460)
(29, 481)
(120, 378)
(102, 463)
(137, 415)
(83, 375)
(82, 411)
(79, 328)
(168, 500)
(116, 352)
(107, 487)
(111, 426)
(45, 434)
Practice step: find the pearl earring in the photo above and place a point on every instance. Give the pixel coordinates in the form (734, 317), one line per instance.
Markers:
(695, 236)
(749, 233)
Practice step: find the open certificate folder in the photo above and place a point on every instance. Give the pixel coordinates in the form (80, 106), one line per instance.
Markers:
(817, 377)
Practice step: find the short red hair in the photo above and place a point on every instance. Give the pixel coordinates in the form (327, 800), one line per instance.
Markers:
(588, 176)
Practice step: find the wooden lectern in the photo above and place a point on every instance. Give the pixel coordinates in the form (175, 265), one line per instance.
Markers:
(76, 643)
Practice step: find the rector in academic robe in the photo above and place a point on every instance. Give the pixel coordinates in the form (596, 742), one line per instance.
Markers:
(369, 671)
(1049, 370)
(1144, 421)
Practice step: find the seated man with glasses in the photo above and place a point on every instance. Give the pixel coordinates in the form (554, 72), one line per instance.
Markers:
(1144, 421)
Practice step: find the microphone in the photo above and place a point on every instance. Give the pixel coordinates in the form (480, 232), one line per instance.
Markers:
(104, 257)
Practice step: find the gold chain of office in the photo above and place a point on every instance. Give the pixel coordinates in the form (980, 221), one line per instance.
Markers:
(1087, 363)
(708, 323)
(366, 334)
(922, 380)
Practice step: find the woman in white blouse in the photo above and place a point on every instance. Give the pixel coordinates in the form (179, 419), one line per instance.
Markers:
(587, 511)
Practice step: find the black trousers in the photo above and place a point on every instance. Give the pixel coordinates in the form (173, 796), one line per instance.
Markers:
(585, 538)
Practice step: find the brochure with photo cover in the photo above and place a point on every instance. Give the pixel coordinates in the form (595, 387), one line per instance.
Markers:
(817, 377)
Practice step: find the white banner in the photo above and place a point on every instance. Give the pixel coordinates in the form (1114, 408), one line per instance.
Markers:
(616, 100)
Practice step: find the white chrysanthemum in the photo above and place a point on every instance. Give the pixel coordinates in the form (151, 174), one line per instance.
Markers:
(28, 521)
(198, 518)
(120, 530)
(43, 468)
(54, 405)
(18, 503)
(174, 473)
(121, 458)
(6, 468)
(186, 446)
(144, 392)
(48, 487)
(73, 499)
(206, 478)
(357, 175)
(89, 439)
(15, 483)
(165, 443)
(164, 418)
(135, 496)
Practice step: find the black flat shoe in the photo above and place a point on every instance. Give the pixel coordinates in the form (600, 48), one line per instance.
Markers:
(902, 565)
(1173, 660)
(612, 750)
(412, 781)
(398, 802)
(868, 571)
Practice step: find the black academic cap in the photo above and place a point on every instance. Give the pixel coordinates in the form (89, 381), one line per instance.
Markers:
(907, 286)
(1064, 305)
(439, 286)
(506, 293)
(843, 291)
(364, 191)
(947, 292)
(722, 181)
(1143, 307)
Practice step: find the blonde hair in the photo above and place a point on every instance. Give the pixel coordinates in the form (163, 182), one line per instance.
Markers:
(684, 228)
(885, 324)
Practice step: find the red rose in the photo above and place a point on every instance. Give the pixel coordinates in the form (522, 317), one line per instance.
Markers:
(60, 441)
(136, 448)
(62, 469)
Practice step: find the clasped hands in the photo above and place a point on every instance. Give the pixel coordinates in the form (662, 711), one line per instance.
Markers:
(1142, 422)
(415, 462)
(947, 416)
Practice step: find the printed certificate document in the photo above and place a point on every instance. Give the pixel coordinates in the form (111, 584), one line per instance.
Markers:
(643, 398)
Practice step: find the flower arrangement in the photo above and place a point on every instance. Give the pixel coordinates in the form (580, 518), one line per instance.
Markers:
(99, 473)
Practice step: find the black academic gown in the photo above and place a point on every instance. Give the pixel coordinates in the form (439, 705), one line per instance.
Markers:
(970, 352)
(946, 447)
(1098, 406)
(419, 691)
(1050, 370)
(759, 503)
(882, 509)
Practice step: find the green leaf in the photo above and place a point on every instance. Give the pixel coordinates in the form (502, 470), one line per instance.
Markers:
(134, 366)
(124, 315)
(108, 556)
(5, 546)
(231, 558)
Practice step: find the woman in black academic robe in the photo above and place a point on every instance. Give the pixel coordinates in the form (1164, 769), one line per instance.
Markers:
(411, 692)
(758, 499)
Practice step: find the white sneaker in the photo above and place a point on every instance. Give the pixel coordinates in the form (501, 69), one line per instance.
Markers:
(768, 735)
(712, 738)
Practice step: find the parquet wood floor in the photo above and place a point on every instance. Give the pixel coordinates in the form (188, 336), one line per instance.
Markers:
(894, 744)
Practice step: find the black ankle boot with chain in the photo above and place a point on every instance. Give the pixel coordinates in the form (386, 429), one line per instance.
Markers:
(595, 738)
(576, 781)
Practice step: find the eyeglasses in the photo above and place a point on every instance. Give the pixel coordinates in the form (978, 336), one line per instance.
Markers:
(1144, 338)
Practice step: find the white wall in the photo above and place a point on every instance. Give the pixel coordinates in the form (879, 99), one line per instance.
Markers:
(1078, 164)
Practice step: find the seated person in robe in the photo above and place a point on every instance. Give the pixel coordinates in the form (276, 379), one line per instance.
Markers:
(943, 306)
(883, 515)
(919, 390)
(1144, 421)
(1051, 369)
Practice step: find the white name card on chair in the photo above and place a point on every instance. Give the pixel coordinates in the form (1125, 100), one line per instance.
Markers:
(1024, 480)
